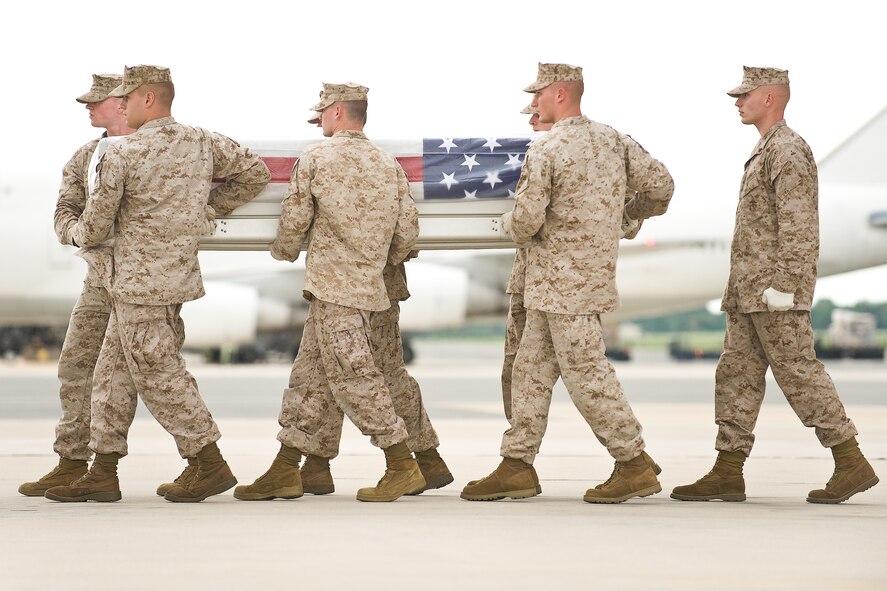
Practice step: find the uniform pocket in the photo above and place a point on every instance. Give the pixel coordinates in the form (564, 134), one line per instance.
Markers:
(585, 341)
(348, 341)
(152, 341)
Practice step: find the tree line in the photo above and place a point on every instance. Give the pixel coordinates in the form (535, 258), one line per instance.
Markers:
(702, 319)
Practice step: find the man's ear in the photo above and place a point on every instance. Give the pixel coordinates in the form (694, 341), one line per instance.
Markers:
(150, 98)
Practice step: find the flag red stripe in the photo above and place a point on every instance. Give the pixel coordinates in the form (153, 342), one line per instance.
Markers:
(282, 166)
(412, 165)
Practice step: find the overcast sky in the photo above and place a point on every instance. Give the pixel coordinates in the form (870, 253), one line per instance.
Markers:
(655, 70)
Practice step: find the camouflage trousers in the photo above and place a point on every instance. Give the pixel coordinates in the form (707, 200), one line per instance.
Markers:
(782, 341)
(141, 356)
(83, 341)
(335, 372)
(387, 348)
(571, 347)
(514, 329)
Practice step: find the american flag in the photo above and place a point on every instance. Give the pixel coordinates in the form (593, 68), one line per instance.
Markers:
(471, 168)
(438, 168)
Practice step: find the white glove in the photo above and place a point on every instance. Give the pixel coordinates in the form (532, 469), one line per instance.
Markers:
(505, 220)
(778, 301)
(209, 227)
(630, 227)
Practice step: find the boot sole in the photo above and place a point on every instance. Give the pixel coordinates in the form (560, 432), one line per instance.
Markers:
(218, 489)
(861, 488)
(645, 492)
(729, 497)
(434, 485)
(512, 494)
(280, 493)
(319, 490)
(101, 497)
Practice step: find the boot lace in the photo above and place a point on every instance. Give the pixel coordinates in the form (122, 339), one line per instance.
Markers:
(186, 474)
(612, 476)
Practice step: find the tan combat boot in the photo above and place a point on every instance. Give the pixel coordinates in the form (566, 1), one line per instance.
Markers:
(99, 484)
(66, 472)
(281, 481)
(656, 469)
(184, 478)
(316, 476)
(402, 475)
(634, 478)
(724, 482)
(853, 474)
(513, 478)
(434, 470)
(213, 477)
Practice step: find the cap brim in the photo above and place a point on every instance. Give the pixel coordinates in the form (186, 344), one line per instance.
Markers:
(741, 89)
(123, 90)
(323, 104)
(536, 86)
(91, 97)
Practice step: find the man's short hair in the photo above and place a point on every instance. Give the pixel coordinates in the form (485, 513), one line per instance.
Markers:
(574, 87)
(357, 110)
(164, 91)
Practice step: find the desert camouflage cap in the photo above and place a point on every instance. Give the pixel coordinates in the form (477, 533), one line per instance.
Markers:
(755, 77)
(529, 110)
(334, 93)
(102, 85)
(551, 73)
(135, 76)
(315, 118)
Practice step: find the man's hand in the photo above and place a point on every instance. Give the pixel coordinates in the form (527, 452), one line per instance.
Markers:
(778, 301)
(630, 227)
(209, 224)
(209, 227)
(505, 220)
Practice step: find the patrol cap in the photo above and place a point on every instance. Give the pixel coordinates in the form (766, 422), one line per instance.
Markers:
(529, 110)
(755, 77)
(315, 118)
(102, 85)
(334, 93)
(551, 73)
(135, 76)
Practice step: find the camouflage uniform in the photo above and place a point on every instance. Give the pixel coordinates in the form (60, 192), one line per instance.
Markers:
(775, 244)
(387, 350)
(154, 188)
(355, 199)
(88, 322)
(572, 223)
(514, 324)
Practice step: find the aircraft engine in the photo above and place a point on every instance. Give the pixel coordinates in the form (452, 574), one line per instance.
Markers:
(438, 297)
(226, 316)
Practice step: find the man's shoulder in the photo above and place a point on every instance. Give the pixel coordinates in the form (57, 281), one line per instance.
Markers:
(86, 149)
(786, 135)
(315, 150)
(787, 140)
(569, 137)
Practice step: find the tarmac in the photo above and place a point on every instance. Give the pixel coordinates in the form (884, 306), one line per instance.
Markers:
(775, 540)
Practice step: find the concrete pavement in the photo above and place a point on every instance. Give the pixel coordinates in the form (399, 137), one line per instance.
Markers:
(775, 540)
